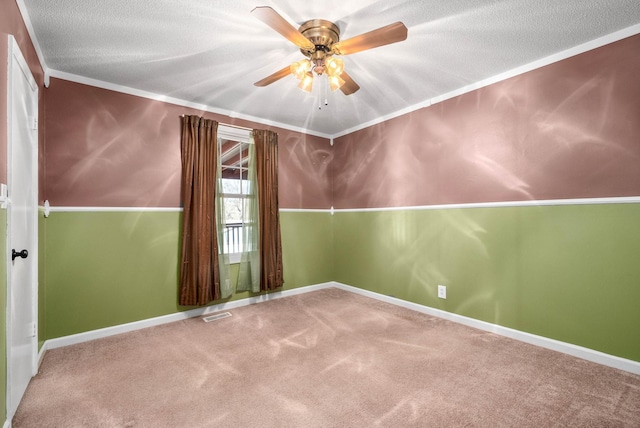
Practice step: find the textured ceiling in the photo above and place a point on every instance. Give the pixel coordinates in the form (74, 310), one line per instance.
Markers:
(211, 52)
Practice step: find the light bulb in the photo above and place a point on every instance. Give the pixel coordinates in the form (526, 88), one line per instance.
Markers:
(299, 68)
(335, 82)
(334, 66)
(307, 82)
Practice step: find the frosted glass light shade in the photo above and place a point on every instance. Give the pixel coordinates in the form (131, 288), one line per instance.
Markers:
(335, 82)
(334, 66)
(300, 68)
(306, 83)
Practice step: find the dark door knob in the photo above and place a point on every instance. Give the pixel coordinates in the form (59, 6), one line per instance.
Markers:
(23, 254)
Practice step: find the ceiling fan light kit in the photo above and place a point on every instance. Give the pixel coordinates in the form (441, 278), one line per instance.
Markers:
(335, 82)
(306, 83)
(299, 68)
(319, 41)
(335, 66)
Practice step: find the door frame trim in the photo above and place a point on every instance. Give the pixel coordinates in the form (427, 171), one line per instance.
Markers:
(15, 56)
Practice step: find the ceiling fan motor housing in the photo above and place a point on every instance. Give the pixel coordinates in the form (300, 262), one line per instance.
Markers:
(323, 34)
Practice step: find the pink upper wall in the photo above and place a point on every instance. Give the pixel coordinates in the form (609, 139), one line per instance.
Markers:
(106, 148)
(303, 170)
(567, 130)
(11, 22)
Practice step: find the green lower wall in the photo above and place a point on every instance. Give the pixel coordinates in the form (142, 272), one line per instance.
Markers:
(108, 268)
(570, 273)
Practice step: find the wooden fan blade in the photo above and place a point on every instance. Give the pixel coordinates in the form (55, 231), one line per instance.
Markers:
(391, 33)
(278, 23)
(274, 77)
(349, 86)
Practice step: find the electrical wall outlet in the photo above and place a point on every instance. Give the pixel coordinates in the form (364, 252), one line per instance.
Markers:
(442, 291)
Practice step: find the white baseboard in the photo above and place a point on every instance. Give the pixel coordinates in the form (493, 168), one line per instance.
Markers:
(150, 322)
(41, 353)
(544, 342)
(555, 345)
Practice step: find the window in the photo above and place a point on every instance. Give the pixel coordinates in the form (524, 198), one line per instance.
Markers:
(233, 146)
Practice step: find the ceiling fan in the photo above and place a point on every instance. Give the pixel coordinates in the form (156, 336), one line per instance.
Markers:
(319, 41)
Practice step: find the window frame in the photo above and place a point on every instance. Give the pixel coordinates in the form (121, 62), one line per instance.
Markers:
(243, 136)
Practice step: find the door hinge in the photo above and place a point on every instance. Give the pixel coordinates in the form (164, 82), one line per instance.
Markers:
(34, 124)
(33, 329)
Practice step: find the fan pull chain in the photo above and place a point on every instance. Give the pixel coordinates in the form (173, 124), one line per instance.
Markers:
(324, 86)
(322, 93)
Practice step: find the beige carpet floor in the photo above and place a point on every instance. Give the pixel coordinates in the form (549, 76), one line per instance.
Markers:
(328, 358)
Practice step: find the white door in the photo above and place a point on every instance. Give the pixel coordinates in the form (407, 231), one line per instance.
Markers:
(22, 235)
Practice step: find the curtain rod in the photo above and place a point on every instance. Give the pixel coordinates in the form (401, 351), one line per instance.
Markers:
(231, 126)
(236, 126)
(244, 128)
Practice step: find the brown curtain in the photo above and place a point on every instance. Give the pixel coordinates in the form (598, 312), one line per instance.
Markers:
(199, 270)
(266, 150)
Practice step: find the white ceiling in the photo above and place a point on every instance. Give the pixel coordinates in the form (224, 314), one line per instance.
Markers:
(211, 52)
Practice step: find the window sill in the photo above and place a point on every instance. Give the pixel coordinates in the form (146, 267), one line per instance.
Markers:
(234, 258)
